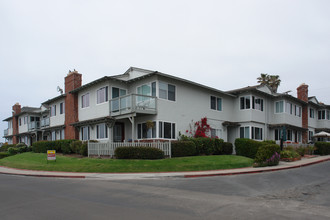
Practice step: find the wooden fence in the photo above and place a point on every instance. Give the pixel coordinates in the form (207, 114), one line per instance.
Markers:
(108, 148)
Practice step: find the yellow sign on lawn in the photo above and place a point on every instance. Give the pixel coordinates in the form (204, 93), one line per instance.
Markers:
(51, 155)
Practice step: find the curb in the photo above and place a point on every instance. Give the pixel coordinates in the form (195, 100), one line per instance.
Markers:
(43, 175)
(255, 171)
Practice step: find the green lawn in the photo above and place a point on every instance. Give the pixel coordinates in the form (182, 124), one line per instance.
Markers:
(38, 161)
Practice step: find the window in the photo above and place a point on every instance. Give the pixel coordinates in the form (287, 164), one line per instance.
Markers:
(279, 106)
(147, 89)
(62, 108)
(288, 135)
(288, 108)
(297, 111)
(25, 119)
(244, 132)
(166, 130)
(321, 114)
(52, 110)
(256, 133)
(310, 135)
(167, 91)
(216, 133)
(245, 102)
(53, 135)
(257, 103)
(116, 92)
(102, 95)
(328, 114)
(10, 124)
(311, 113)
(101, 131)
(147, 130)
(277, 134)
(216, 103)
(85, 133)
(85, 100)
(62, 136)
(20, 121)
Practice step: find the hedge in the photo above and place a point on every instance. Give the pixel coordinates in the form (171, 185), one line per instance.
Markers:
(61, 146)
(149, 153)
(5, 147)
(183, 148)
(4, 154)
(204, 146)
(268, 155)
(227, 148)
(247, 147)
(322, 148)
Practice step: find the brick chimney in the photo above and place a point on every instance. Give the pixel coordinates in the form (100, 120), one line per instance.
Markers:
(302, 94)
(16, 110)
(72, 81)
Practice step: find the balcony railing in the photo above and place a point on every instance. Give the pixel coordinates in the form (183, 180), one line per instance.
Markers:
(133, 103)
(5, 132)
(34, 125)
(44, 122)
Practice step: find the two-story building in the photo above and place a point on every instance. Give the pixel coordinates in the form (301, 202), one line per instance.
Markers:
(142, 104)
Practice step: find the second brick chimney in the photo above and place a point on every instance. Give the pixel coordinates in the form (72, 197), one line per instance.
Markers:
(72, 81)
(16, 110)
(302, 94)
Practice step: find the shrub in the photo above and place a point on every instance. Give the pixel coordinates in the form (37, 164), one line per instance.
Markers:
(150, 153)
(84, 149)
(269, 142)
(218, 146)
(183, 148)
(247, 147)
(12, 151)
(204, 146)
(322, 148)
(23, 149)
(227, 148)
(290, 154)
(75, 146)
(20, 145)
(4, 154)
(5, 147)
(268, 155)
(61, 146)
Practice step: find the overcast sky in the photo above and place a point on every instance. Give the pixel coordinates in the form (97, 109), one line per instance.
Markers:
(222, 44)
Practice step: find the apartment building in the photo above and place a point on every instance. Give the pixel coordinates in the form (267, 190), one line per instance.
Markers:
(142, 104)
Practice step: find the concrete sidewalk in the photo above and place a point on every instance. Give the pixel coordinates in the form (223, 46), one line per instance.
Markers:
(189, 174)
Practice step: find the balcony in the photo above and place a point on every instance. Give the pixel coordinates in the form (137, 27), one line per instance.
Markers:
(45, 122)
(5, 132)
(133, 103)
(34, 125)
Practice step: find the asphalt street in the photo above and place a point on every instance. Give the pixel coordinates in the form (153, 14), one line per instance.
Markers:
(302, 193)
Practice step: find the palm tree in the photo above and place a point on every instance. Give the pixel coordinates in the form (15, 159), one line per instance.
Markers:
(273, 81)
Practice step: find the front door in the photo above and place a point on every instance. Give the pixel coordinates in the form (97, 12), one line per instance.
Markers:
(119, 132)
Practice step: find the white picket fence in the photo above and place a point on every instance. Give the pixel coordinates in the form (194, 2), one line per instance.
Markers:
(108, 148)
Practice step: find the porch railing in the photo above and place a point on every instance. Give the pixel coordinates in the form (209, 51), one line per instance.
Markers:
(133, 103)
(44, 122)
(5, 132)
(108, 148)
(34, 125)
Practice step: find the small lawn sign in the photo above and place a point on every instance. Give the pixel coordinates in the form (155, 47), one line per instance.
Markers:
(51, 155)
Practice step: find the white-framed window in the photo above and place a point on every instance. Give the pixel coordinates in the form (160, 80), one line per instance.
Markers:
(310, 135)
(244, 132)
(216, 133)
(297, 111)
(257, 103)
(62, 135)
(289, 135)
(321, 114)
(53, 135)
(102, 95)
(20, 121)
(148, 89)
(311, 113)
(85, 100)
(166, 130)
(10, 124)
(245, 102)
(279, 106)
(117, 92)
(52, 110)
(256, 133)
(146, 130)
(167, 91)
(85, 135)
(328, 114)
(101, 131)
(62, 108)
(288, 108)
(216, 103)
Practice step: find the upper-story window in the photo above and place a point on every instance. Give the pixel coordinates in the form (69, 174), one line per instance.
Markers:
(216, 103)
(147, 89)
(289, 108)
(279, 106)
(257, 103)
(116, 92)
(20, 121)
(102, 95)
(311, 113)
(62, 108)
(25, 120)
(245, 102)
(328, 114)
(10, 124)
(297, 111)
(52, 110)
(321, 114)
(167, 91)
(85, 100)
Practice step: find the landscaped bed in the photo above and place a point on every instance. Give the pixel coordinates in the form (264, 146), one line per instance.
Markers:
(38, 161)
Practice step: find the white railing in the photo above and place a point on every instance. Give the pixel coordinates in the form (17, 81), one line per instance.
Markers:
(5, 132)
(44, 122)
(34, 125)
(108, 148)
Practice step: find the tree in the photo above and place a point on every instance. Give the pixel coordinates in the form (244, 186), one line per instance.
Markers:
(273, 81)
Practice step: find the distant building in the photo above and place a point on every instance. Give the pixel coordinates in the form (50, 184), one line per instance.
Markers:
(122, 108)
